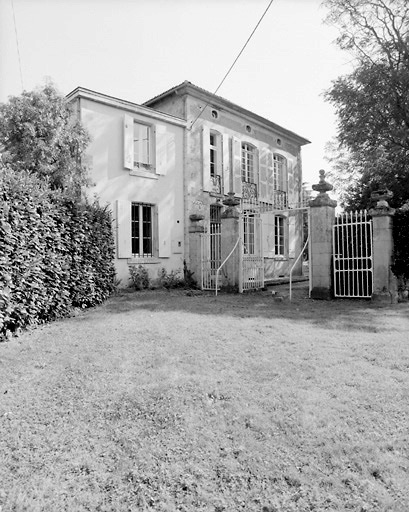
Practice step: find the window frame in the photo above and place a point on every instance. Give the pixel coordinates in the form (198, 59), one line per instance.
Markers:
(142, 237)
(279, 172)
(280, 236)
(249, 233)
(213, 152)
(149, 165)
(248, 173)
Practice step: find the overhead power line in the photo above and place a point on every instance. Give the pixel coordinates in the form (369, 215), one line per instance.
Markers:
(18, 46)
(235, 60)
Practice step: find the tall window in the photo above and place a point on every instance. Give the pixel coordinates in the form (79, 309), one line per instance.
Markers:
(279, 236)
(213, 155)
(247, 163)
(279, 171)
(141, 229)
(249, 234)
(141, 144)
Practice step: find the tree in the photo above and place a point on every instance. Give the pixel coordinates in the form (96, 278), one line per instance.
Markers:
(372, 102)
(39, 133)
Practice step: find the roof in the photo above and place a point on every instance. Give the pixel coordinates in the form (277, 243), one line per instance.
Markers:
(82, 92)
(187, 87)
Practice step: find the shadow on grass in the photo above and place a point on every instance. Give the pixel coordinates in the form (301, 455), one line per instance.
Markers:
(353, 314)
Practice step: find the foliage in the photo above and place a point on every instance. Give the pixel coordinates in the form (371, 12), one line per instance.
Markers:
(170, 279)
(91, 243)
(372, 102)
(139, 277)
(54, 254)
(40, 134)
(400, 266)
(189, 280)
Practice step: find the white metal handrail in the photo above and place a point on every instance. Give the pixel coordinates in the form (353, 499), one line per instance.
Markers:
(223, 262)
(295, 263)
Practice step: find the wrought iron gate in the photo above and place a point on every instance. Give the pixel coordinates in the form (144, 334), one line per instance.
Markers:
(251, 261)
(352, 255)
(211, 258)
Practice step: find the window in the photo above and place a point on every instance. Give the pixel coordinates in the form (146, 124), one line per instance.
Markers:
(249, 233)
(141, 230)
(247, 163)
(215, 236)
(141, 144)
(279, 173)
(213, 155)
(213, 162)
(279, 236)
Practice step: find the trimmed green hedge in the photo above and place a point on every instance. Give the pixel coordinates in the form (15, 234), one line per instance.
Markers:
(400, 266)
(55, 254)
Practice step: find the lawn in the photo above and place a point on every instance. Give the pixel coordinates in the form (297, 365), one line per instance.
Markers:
(168, 401)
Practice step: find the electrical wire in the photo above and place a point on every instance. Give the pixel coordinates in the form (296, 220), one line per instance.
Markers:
(18, 46)
(234, 62)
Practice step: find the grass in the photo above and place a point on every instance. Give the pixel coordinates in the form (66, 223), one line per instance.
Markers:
(160, 401)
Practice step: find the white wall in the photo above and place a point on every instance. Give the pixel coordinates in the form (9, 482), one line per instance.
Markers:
(118, 186)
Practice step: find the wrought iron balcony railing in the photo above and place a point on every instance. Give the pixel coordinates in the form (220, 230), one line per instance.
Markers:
(249, 191)
(280, 200)
(216, 186)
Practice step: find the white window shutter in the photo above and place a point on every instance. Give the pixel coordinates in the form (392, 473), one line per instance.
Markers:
(270, 176)
(206, 158)
(165, 150)
(226, 163)
(267, 225)
(164, 230)
(123, 226)
(263, 169)
(293, 196)
(128, 142)
(236, 156)
(292, 238)
(284, 177)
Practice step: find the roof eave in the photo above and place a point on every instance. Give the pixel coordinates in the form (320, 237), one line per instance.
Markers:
(82, 92)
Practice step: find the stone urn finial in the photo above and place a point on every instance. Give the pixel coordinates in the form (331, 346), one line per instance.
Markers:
(381, 197)
(231, 202)
(323, 187)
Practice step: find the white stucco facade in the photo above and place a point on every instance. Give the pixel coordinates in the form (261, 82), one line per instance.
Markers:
(146, 197)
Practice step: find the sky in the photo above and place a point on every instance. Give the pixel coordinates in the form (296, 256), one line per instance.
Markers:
(136, 49)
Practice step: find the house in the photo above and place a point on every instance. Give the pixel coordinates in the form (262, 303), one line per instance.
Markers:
(135, 160)
(230, 149)
(167, 168)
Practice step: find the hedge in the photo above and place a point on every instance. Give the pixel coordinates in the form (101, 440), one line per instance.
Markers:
(55, 254)
(400, 232)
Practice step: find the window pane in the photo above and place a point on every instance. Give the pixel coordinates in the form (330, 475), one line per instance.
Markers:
(147, 231)
(141, 143)
(135, 228)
